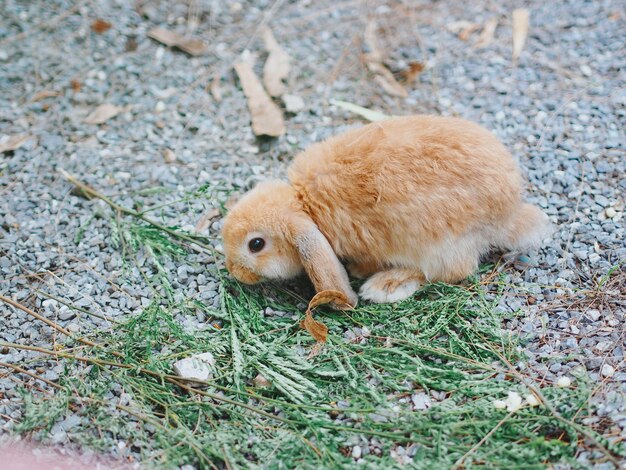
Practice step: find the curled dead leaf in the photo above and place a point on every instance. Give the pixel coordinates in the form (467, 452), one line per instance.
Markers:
(267, 118)
(327, 297)
(374, 61)
(463, 29)
(521, 20)
(102, 113)
(276, 68)
(317, 329)
(205, 220)
(410, 73)
(486, 35)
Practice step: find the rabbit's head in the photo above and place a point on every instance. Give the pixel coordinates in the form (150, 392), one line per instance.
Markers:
(267, 235)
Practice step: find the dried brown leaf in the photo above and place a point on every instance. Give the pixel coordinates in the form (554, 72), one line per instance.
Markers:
(216, 89)
(521, 21)
(75, 84)
(102, 113)
(409, 74)
(317, 329)
(374, 61)
(267, 118)
(327, 297)
(100, 26)
(486, 35)
(466, 32)
(205, 220)
(191, 46)
(164, 36)
(463, 29)
(13, 142)
(43, 94)
(276, 67)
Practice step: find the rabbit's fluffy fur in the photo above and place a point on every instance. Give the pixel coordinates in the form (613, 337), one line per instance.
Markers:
(403, 201)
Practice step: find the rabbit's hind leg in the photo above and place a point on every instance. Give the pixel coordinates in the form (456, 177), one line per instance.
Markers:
(362, 269)
(454, 259)
(392, 285)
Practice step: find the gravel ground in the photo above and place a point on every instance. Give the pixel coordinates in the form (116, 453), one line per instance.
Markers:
(561, 110)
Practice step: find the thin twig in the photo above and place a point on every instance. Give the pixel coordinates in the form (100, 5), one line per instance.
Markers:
(29, 373)
(195, 241)
(608, 454)
(42, 25)
(459, 462)
(48, 322)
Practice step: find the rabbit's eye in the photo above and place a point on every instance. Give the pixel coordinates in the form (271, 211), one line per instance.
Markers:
(256, 245)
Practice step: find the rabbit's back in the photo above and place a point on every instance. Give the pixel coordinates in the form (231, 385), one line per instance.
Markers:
(405, 181)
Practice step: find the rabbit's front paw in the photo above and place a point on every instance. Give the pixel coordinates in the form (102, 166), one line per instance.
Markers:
(390, 286)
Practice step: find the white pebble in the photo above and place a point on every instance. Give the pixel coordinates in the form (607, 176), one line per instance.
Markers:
(532, 400)
(160, 107)
(610, 212)
(293, 103)
(499, 404)
(513, 401)
(564, 382)
(356, 452)
(198, 367)
(607, 370)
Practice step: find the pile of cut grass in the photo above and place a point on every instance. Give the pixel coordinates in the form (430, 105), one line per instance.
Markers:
(446, 342)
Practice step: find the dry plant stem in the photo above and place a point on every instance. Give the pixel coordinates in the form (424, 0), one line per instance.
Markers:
(74, 307)
(175, 380)
(53, 325)
(170, 378)
(6, 365)
(608, 454)
(50, 323)
(93, 193)
(126, 409)
(459, 462)
(42, 25)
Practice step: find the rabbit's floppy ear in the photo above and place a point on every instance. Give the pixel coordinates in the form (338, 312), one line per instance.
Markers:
(319, 260)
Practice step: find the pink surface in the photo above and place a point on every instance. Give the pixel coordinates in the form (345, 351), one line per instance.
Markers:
(22, 456)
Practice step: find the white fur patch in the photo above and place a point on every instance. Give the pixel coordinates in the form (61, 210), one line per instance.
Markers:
(373, 291)
(281, 268)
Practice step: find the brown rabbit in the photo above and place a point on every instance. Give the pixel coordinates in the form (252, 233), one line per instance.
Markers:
(403, 201)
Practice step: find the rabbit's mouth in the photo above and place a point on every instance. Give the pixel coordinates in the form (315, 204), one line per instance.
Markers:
(242, 274)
